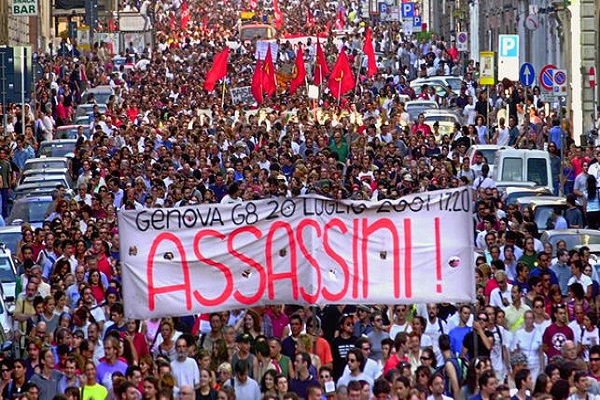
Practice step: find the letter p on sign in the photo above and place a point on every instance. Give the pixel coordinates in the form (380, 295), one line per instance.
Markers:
(509, 45)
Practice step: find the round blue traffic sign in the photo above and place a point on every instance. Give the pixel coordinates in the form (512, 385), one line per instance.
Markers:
(527, 74)
(462, 37)
(560, 78)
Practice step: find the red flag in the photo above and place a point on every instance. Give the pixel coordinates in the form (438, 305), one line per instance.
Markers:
(300, 71)
(256, 86)
(339, 20)
(278, 15)
(370, 53)
(321, 68)
(341, 80)
(269, 83)
(310, 20)
(185, 15)
(218, 70)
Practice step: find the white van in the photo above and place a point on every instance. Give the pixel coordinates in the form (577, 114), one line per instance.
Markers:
(521, 165)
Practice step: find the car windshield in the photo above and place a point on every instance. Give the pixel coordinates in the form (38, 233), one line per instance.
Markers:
(7, 274)
(573, 240)
(489, 155)
(57, 149)
(29, 211)
(10, 240)
(46, 164)
(441, 118)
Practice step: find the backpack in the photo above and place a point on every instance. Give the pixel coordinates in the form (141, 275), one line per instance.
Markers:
(461, 366)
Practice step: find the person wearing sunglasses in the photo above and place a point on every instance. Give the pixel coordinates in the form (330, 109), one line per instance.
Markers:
(342, 344)
(481, 333)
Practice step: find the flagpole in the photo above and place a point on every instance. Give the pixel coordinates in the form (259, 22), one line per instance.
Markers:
(358, 76)
(223, 94)
(340, 92)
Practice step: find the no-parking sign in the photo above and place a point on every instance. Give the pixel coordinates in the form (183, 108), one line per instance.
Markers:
(560, 81)
(547, 76)
(462, 41)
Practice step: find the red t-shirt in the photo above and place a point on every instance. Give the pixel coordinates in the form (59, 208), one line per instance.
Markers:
(554, 337)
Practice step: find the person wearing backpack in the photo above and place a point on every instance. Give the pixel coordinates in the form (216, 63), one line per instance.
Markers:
(450, 370)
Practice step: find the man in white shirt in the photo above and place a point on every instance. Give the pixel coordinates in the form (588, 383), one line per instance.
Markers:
(581, 278)
(501, 296)
(185, 369)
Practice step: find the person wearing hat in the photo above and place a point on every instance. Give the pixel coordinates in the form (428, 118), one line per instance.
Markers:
(244, 341)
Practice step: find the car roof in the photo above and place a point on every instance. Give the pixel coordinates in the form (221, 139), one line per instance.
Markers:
(542, 200)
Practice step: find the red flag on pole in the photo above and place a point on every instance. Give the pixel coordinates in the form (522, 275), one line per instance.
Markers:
(300, 71)
(256, 86)
(278, 14)
(321, 69)
(370, 53)
(310, 20)
(269, 83)
(341, 80)
(339, 20)
(185, 15)
(172, 22)
(218, 70)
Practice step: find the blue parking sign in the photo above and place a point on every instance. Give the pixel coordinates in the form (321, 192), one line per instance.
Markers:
(408, 10)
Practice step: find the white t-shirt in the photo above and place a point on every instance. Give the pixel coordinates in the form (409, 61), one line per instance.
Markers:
(584, 280)
(186, 372)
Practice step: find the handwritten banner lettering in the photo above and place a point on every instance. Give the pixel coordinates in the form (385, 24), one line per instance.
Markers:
(305, 250)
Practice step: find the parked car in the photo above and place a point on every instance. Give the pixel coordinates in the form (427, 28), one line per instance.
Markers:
(416, 107)
(8, 276)
(58, 148)
(512, 194)
(44, 172)
(523, 165)
(572, 237)
(30, 209)
(10, 236)
(445, 120)
(543, 208)
(89, 109)
(46, 162)
(99, 94)
(451, 81)
(6, 322)
(70, 131)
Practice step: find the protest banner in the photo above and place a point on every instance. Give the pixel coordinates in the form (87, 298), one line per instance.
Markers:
(304, 250)
(262, 46)
(241, 95)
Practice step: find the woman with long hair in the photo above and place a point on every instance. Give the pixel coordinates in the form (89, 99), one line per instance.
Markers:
(147, 366)
(250, 324)
(96, 285)
(592, 203)
(167, 347)
(267, 383)
(92, 390)
(219, 354)
(206, 391)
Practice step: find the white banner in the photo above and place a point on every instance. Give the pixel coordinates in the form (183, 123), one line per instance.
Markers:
(262, 46)
(241, 95)
(306, 250)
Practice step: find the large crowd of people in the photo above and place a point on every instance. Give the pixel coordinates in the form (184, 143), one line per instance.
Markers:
(164, 141)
